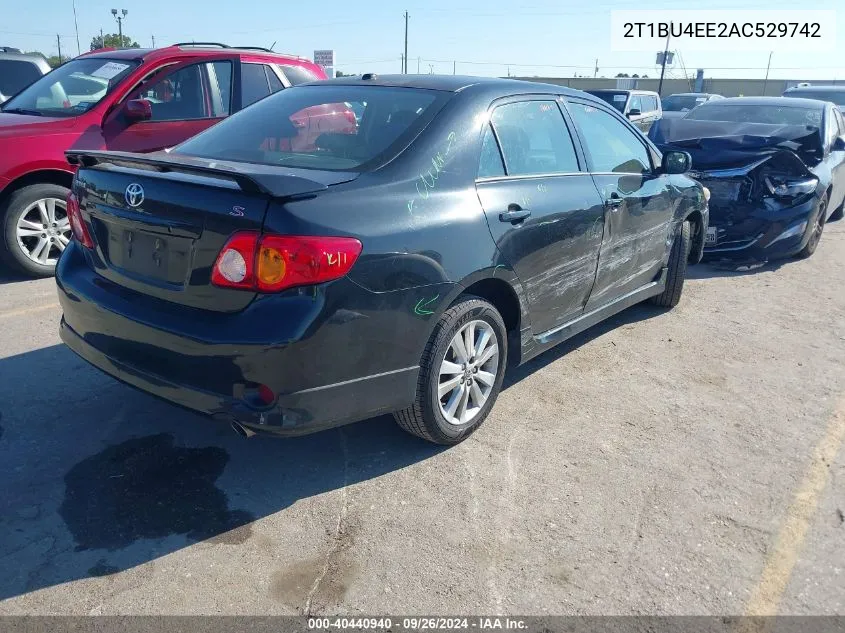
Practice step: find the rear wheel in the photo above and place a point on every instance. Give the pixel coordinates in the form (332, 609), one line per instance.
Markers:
(677, 269)
(36, 228)
(461, 373)
(816, 227)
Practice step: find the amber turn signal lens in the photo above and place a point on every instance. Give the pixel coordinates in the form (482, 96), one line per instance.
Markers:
(271, 265)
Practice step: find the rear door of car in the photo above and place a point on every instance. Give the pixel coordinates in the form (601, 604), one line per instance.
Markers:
(542, 207)
(640, 204)
(186, 98)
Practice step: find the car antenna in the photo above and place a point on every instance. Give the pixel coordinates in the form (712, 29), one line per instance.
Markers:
(272, 45)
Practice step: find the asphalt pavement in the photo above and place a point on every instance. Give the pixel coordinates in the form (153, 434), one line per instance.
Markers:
(681, 462)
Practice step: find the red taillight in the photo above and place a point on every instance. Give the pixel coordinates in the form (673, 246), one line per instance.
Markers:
(270, 263)
(77, 224)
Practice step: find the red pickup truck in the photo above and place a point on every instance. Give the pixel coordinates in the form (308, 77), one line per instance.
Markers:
(136, 100)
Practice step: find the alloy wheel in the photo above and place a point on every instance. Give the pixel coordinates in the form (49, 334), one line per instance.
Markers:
(43, 230)
(468, 372)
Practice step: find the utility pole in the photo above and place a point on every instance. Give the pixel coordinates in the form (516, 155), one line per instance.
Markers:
(154, 40)
(418, 65)
(59, 44)
(405, 59)
(454, 66)
(663, 65)
(120, 18)
(766, 80)
(102, 39)
(76, 26)
(596, 71)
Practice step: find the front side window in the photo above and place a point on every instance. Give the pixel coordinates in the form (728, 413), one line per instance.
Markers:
(316, 127)
(534, 138)
(71, 89)
(198, 91)
(613, 147)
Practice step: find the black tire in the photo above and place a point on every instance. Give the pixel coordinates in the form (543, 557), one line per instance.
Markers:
(815, 230)
(424, 417)
(10, 211)
(678, 257)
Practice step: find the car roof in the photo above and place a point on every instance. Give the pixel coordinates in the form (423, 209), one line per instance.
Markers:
(187, 51)
(452, 83)
(776, 101)
(23, 57)
(815, 88)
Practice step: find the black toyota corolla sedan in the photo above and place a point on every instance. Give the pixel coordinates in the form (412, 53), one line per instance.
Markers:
(286, 272)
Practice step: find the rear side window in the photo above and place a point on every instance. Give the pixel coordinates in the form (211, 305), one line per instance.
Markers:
(298, 75)
(534, 138)
(275, 82)
(650, 104)
(254, 84)
(220, 79)
(15, 75)
(316, 127)
(490, 164)
(613, 147)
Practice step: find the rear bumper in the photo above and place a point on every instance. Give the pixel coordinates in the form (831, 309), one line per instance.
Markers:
(324, 371)
(763, 234)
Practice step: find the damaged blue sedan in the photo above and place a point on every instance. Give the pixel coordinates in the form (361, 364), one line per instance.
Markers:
(287, 272)
(775, 168)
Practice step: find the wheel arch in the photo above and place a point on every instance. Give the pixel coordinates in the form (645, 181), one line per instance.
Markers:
(37, 177)
(696, 220)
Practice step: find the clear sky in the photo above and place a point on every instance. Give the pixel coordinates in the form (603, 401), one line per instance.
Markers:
(543, 37)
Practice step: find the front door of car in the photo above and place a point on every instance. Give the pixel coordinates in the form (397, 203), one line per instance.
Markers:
(542, 207)
(640, 205)
(185, 99)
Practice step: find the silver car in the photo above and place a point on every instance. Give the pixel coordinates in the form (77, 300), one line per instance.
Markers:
(18, 70)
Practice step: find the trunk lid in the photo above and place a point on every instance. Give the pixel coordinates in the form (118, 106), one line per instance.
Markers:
(159, 221)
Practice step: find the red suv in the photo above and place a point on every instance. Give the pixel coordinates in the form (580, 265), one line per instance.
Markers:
(136, 100)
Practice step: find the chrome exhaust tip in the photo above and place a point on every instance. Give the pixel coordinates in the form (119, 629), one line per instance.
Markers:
(241, 430)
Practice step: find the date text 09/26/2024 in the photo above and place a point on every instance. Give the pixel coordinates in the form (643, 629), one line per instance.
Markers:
(416, 624)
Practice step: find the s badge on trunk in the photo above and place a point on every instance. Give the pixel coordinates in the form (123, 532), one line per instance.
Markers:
(134, 195)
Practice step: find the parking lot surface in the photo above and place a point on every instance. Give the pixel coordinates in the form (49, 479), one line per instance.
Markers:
(682, 462)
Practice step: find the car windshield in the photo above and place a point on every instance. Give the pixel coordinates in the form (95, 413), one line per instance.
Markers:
(342, 128)
(616, 99)
(836, 96)
(71, 89)
(772, 114)
(682, 103)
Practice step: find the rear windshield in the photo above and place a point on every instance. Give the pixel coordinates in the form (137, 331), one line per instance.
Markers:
(836, 96)
(772, 114)
(343, 128)
(682, 103)
(73, 88)
(17, 74)
(616, 99)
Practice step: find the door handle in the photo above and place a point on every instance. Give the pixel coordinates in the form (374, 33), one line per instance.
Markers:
(613, 202)
(514, 214)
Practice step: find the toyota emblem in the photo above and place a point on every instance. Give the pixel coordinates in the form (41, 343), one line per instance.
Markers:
(134, 195)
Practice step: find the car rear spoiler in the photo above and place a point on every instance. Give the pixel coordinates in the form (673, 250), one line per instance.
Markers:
(266, 179)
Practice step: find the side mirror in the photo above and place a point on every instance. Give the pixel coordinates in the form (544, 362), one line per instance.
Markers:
(838, 144)
(676, 162)
(634, 112)
(137, 110)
